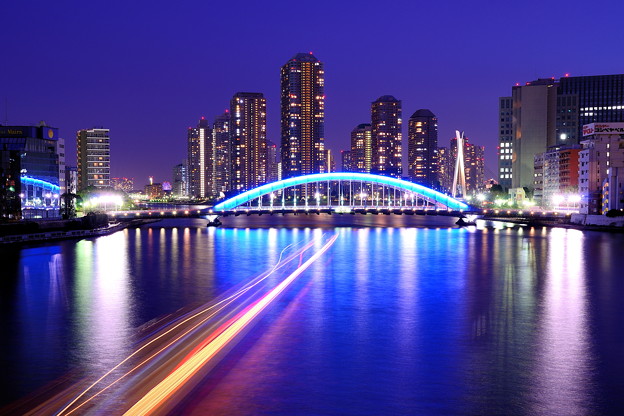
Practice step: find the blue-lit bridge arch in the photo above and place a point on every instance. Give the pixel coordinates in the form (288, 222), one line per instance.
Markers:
(348, 189)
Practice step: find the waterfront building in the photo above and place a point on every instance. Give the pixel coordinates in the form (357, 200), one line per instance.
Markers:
(179, 187)
(446, 165)
(199, 160)
(559, 175)
(533, 127)
(538, 179)
(93, 146)
(71, 179)
(154, 191)
(60, 151)
(122, 184)
(221, 148)
(329, 161)
(248, 140)
(422, 147)
(345, 159)
(505, 142)
(302, 116)
(601, 168)
(29, 171)
(361, 148)
(273, 159)
(585, 100)
(386, 136)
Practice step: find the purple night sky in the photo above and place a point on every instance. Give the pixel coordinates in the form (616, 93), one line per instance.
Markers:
(149, 71)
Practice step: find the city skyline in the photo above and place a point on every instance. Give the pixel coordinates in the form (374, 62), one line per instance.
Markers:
(127, 94)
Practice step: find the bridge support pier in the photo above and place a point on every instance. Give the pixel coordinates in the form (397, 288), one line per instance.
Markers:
(213, 221)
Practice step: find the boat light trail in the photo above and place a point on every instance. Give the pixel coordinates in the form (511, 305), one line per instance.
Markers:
(174, 381)
(221, 304)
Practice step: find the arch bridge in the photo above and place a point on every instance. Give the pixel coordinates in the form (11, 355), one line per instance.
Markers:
(340, 192)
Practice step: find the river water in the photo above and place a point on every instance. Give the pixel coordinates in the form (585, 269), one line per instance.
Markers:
(400, 316)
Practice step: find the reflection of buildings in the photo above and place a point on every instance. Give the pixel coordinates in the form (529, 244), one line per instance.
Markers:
(122, 184)
(93, 147)
(601, 168)
(29, 171)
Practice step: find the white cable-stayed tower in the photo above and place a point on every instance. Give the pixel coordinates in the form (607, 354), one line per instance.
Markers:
(459, 177)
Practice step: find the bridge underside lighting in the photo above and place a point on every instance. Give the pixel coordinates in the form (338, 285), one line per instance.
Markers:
(260, 191)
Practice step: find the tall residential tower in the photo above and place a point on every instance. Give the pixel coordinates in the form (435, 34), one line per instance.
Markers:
(386, 136)
(93, 148)
(248, 140)
(302, 116)
(422, 147)
(199, 160)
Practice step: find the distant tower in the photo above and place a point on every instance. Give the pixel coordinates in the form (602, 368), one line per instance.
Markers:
(361, 148)
(386, 136)
(422, 147)
(199, 161)
(302, 116)
(222, 165)
(460, 171)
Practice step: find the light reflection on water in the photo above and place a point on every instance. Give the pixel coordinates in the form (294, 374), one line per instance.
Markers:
(391, 320)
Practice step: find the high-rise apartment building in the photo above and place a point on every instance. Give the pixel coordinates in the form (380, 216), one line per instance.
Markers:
(361, 148)
(345, 160)
(386, 136)
(330, 163)
(446, 164)
(302, 116)
(248, 140)
(179, 186)
(221, 148)
(199, 160)
(505, 142)
(93, 147)
(422, 147)
(273, 162)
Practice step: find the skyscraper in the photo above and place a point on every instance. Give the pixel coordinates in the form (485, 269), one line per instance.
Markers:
(534, 127)
(248, 140)
(221, 149)
(273, 159)
(93, 147)
(302, 116)
(505, 142)
(422, 147)
(180, 180)
(386, 136)
(362, 148)
(199, 160)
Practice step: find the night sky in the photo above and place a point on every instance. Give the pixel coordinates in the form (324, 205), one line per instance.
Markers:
(149, 70)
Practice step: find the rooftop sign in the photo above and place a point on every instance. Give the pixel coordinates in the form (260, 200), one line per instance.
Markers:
(603, 128)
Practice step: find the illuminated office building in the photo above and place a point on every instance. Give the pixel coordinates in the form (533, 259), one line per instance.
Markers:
(302, 116)
(386, 136)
